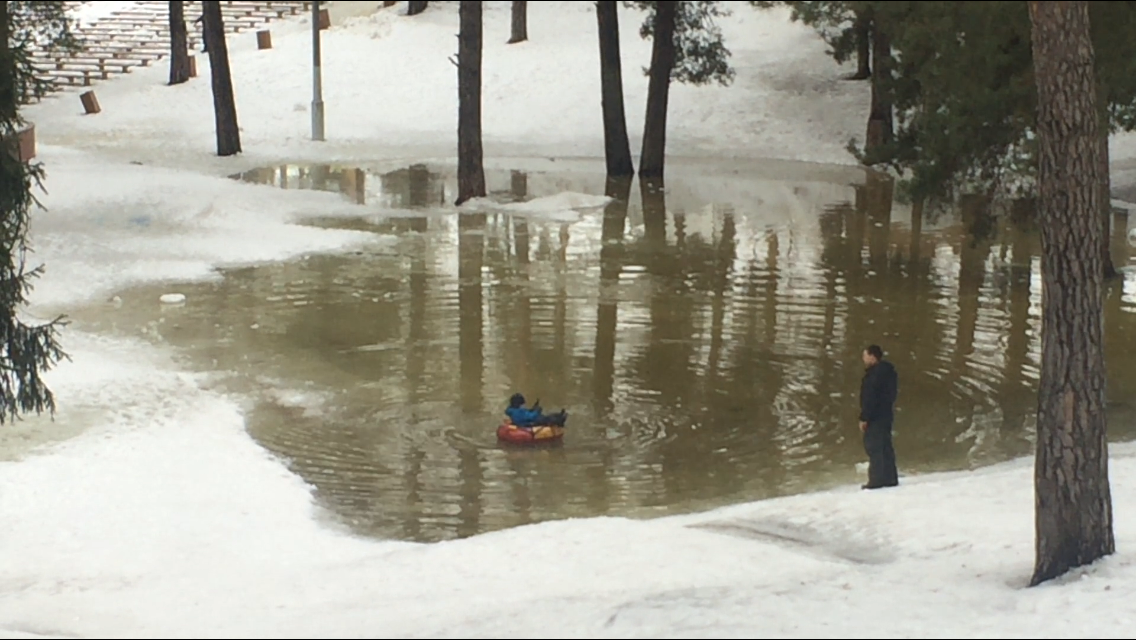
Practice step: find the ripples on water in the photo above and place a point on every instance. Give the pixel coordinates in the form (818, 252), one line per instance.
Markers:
(706, 342)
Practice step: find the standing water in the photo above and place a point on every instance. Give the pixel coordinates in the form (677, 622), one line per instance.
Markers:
(705, 340)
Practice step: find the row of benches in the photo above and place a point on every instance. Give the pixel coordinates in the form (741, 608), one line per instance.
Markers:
(140, 36)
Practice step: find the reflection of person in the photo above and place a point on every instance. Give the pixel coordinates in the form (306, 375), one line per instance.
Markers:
(877, 402)
(534, 417)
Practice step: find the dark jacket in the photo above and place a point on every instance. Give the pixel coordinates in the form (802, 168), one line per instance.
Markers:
(878, 390)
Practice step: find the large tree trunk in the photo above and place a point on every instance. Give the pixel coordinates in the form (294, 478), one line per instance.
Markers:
(880, 123)
(861, 26)
(1072, 500)
(617, 148)
(179, 43)
(658, 90)
(519, 32)
(415, 7)
(471, 172)
(1105, 178)
(224, 105)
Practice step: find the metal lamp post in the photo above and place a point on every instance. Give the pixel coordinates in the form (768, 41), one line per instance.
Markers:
(317, 76)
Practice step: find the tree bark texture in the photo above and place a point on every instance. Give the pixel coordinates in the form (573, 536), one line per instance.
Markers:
(881, 125)
(652, 156)
(1105, 178)
(179, 43)
(471, 172)
(519, 31)
(862, 28)
(224, 104)
(617, 147)
(1073, 505)
(415, 7)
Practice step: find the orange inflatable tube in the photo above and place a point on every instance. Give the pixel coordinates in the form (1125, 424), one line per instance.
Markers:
(511, 433)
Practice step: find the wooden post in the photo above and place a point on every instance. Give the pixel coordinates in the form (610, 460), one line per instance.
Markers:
(27, 139)
(90, 102)
(193, 66)
(24, 148)
(325, 19)
(264, 39)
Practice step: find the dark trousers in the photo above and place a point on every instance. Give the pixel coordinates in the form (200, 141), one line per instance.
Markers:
(881, 455)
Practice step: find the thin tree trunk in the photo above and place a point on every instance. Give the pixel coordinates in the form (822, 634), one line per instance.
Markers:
(658, 90)
(617, 148)
(520, 25)
(8, 102)
(224, 105)
(862, 28)
(880, 123)
(179, 43)
(471, 172)
(1072, 498)
(415, 7)
(1105, 176)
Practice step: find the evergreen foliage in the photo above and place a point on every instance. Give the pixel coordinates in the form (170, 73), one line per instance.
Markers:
(701, 56)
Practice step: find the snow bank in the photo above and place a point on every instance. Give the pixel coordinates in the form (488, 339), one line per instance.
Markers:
(108, 225)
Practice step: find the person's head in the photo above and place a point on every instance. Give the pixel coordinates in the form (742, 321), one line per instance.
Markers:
(517, 400)
(872, 355)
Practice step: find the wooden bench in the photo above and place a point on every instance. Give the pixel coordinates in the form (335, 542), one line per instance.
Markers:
(69, 77)
(102, 63)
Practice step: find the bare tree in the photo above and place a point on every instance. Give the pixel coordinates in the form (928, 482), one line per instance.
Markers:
(519, 32)
(224, 104)
(617, 148)
(1073, 502)
(179, 43)
(658, 91)
(471, 171)
(415, 7)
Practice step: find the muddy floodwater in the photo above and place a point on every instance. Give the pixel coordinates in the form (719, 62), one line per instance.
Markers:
(704, 339)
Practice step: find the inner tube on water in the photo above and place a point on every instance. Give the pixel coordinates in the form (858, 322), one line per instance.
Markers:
(511, 433)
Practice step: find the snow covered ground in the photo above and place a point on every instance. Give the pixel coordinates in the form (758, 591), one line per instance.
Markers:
(145, 510)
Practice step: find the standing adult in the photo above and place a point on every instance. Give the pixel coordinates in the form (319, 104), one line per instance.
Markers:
(878, 391)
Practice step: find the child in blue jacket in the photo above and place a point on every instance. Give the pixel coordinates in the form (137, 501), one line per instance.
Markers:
(534, 417)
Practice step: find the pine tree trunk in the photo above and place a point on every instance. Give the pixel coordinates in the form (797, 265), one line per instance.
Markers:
(8, 100)
(224, 105)
(880, 123)
(617, 148)
(658, 90)
(415, 7)
(520, 22)
(179, 43)
(471, 172)
(861, 26)
(1105, 175)
(1072, 497)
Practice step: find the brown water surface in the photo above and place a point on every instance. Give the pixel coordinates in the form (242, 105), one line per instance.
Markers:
(705, 341)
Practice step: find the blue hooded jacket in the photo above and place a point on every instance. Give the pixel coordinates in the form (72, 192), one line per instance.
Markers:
(523, 417)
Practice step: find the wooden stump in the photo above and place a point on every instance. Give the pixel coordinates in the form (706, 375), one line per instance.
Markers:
(24, 148)
(325, 19)
(90, 102)
(193, 66)
(27, 143)
(264, 39)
